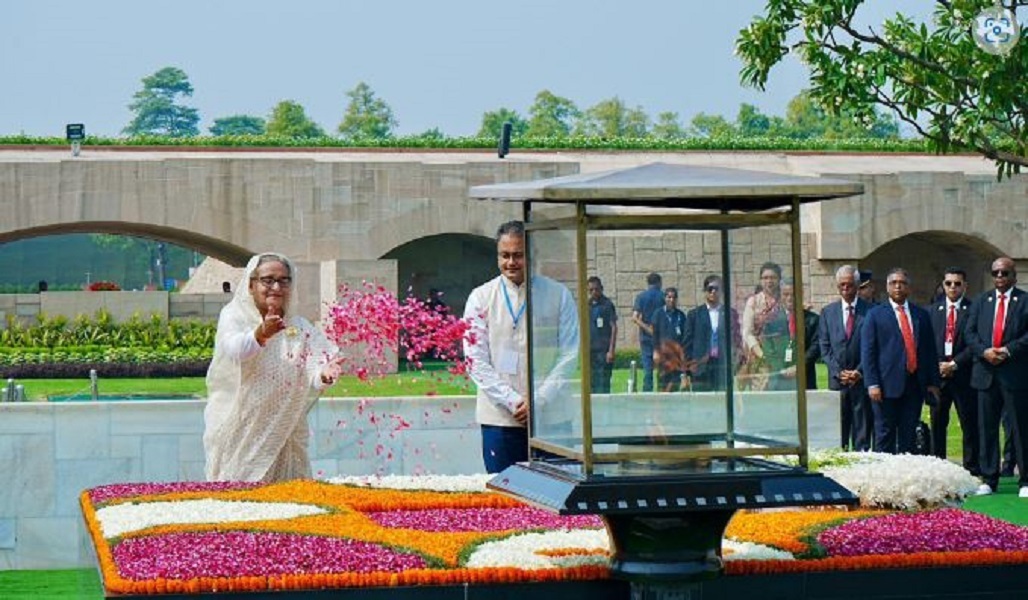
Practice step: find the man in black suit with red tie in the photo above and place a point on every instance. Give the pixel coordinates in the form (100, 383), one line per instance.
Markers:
(949, 317)
(997, 332)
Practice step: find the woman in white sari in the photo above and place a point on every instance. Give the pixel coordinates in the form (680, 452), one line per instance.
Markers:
(269, 368)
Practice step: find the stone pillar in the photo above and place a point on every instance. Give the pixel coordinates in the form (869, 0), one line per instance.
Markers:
(306, 296)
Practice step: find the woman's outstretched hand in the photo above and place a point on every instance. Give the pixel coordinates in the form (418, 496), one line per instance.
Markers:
(330, 374)
(272, 324)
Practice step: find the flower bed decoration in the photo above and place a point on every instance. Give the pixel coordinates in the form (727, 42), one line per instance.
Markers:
(435, 530)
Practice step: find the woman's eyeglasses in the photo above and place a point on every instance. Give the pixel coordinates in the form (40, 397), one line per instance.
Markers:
(271, 282)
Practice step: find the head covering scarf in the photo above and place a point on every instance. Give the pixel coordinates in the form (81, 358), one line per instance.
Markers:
(258, 397)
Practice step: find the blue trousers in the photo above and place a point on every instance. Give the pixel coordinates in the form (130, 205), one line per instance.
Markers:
(503, 446)
(896, 419)
(647, 364)
(601, 372)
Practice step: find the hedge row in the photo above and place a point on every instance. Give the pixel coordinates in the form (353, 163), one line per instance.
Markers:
(10, 357)
(484, 143)
(194, 368)
(153, 332)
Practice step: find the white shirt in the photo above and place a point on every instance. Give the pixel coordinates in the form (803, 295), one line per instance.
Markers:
(499, 356)
(714, 312)
(846, 312)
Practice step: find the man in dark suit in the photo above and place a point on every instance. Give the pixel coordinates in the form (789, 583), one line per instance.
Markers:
(949, 317)
(997, 332)
(669, 343)
(866, 287)
(706, 343)
(782, 352)
(839, 342)
(811, 322)
(900, 365)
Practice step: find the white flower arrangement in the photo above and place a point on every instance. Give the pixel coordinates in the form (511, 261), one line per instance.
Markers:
(437, 483)
(523, 551)
(738, 550)
(119, 519)
(902, 481)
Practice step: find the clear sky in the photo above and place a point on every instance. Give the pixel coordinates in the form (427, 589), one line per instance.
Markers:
(437, 64)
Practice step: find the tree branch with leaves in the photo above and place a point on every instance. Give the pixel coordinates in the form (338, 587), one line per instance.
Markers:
(932, 75)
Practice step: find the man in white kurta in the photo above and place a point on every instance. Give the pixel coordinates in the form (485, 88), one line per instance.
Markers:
(499, 353)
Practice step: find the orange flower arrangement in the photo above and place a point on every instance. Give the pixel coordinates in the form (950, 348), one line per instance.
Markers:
(788, 530)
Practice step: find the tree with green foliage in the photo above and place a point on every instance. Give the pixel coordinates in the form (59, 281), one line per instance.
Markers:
(932, 75)
(750, 122)
(551, 116)
(432, 134)
(289, 119)
(367, 116)
(668, 126)
(704, 125)
(155, 107)
(238, 125)
(492, 123)
(612, 118)
(805, 119)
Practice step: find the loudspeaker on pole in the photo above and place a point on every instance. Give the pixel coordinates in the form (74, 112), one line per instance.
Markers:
(504, 147)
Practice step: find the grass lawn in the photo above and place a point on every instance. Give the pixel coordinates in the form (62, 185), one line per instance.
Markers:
(410, 383)
(70, 584)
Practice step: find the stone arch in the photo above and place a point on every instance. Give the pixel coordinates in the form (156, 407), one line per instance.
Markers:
(454, 263)
(220, 249)
(926, 255)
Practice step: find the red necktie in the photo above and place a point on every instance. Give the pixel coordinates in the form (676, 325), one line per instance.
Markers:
(792, 325)
(908, 340)
(997, 327)
(849, 322)
(951, 325)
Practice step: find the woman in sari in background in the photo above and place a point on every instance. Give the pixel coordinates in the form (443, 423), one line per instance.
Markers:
(763, 320)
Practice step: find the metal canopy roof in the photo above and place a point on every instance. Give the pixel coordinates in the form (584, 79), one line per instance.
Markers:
(681, 186)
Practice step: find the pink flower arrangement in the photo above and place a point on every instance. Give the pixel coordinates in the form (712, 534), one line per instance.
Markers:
(944, 530)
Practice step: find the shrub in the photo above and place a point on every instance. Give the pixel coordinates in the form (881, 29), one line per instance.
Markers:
(191, 368)
(624, 356)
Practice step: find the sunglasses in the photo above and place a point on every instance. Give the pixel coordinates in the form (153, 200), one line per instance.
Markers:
(713, 288)
(952, 283)
(1001, 273)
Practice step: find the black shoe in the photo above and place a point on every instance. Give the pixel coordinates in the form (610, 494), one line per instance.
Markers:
(1007, 470)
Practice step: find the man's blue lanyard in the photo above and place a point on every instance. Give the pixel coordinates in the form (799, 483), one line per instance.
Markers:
(510, 307)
